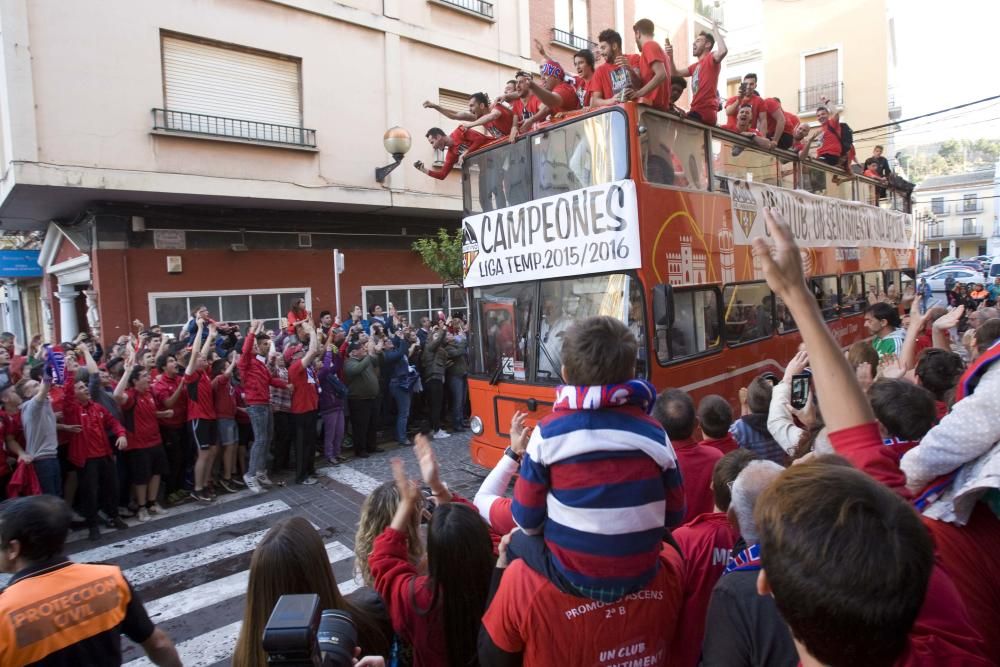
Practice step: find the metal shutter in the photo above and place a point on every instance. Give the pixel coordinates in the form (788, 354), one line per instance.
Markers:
(453, 101)
(216, 81)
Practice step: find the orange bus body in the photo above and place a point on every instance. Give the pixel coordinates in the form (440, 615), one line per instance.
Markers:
(686, 241)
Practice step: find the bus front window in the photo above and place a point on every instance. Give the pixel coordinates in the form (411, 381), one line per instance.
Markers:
(564, 302)
(497, 178)
(576, 155)
(502, 320)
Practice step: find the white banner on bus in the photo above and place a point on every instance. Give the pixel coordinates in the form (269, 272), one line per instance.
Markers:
(591, 230)
(817, 222)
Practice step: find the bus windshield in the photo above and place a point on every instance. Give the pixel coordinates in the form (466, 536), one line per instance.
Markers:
(517, 329)
(584, 152)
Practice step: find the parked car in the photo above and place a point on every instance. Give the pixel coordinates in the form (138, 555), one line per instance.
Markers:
(994, 269)
(961, 274)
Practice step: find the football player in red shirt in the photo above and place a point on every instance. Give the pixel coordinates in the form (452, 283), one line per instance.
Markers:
(654, 70)
(617, 74)
(583, 61)
(457, 144)
(555, 94)
(704, 73)
(496, 120)
(748, 95)
(742, 126)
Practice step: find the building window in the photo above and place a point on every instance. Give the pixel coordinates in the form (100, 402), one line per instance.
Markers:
(821, 78)
(937, 205)
(970, 203)
(222, 90)
(172, 310)
(416, 301)
(571, 28)
(969, 227)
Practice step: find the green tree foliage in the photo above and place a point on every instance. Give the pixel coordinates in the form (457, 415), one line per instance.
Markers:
(442, 254)
(953, 156)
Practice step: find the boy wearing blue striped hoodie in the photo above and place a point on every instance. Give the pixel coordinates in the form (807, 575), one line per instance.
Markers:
(599, 480)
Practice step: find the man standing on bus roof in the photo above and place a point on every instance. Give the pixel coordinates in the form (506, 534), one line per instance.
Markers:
(704, 73)
(460, 142)
(882, 320)
(654, 70)
(747, 95)
(617, 74)
(828, 131)
(496, 120)
(780, 124)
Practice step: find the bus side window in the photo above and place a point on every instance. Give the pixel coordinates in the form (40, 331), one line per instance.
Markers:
(673, 153)
(824, 288)
(749, 312)
(874, 287)
(852, 291)
(732, 160)
(783, 319)
(695, 326)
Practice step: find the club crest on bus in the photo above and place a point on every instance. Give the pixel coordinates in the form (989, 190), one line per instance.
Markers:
(470, 248)
(744, 206)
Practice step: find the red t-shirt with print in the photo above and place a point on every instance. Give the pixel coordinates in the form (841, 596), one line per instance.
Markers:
(530, 615)
(831, 138)
(609, 79)
(501, 126)
(305, 398)
(525, 110)
(704, 88)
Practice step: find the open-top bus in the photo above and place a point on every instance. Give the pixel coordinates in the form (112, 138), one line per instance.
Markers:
(648, 217)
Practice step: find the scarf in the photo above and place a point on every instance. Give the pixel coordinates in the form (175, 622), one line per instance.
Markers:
(636, 392)
(745, 560)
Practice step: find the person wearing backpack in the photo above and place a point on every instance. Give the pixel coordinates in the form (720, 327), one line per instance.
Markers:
(836, 138)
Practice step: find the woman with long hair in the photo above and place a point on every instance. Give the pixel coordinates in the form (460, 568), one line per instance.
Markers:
(376, 515)
(438, 614)
(297, 313)
(291, 560)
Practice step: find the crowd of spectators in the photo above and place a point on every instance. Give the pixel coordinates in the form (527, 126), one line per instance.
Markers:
(851, 522)
(153, 421)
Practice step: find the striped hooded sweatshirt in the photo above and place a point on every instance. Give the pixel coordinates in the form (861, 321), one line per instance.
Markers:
(600, 481)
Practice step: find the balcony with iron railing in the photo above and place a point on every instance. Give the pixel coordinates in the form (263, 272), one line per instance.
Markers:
(569, 40)
(969, 206)
(971, 228)
(812, 97)
(940, 208)
(477, 7)
(168, 121)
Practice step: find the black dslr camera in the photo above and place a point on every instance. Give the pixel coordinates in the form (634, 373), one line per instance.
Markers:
(299, 634)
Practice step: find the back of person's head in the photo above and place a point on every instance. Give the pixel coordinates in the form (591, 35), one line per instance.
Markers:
(218, 367)
(905, 410)
(611, 37)
(459, 565)
(376, 513)
(861, 352)
(678, 80)
(759, 394)
(291, 560)
(751, 481)
(725, 472)
(644, 27)
(39, 524)
(598, 350)
(847, 561)
(674, 409)
(885, 311)
(938, 371)
(986, 334)
(715, 415)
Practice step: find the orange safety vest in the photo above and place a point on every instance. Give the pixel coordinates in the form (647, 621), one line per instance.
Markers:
(45, 613)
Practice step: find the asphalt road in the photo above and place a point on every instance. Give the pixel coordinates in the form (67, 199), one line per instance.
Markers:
(190, 567)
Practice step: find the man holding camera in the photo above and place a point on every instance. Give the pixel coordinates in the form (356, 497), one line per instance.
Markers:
(57, 612)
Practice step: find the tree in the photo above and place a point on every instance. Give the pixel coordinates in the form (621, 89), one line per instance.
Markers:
(442, 254)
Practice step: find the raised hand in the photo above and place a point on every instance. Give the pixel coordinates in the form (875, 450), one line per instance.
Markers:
(798, 364)
(429, 469)
(519, 433)
(949, 319)
(783, 269)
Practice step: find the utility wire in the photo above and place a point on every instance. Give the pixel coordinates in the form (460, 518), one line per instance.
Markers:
(927, 115)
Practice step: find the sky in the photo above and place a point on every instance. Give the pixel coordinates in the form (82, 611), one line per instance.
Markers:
(947, 55)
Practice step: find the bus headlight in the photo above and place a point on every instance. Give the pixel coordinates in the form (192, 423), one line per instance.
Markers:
(476, 424)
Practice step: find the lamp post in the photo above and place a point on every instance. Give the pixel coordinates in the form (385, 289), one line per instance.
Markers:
(397, 142)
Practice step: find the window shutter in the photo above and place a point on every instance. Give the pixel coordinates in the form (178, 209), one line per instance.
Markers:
(453, 101)
(217, 81)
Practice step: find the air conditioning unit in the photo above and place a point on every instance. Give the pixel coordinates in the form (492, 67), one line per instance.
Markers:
(305, 240)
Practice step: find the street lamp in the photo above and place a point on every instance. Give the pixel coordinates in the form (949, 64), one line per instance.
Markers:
(397, 142)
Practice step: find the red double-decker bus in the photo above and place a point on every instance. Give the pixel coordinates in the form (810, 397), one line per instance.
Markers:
(648, 217)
